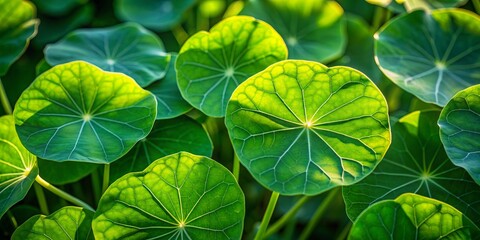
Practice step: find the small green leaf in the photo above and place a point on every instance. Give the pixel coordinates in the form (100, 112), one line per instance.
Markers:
(431, 55)
(460, 130)
(392, 5)
(302, 128)
(18, 167)
(66, 223)
(180, 196)
(64, 172)
(412, 216)
(211, 65)
(76, 111)
(127, 48)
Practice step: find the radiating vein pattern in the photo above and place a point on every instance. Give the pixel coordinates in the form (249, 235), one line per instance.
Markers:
(180, 196)
(302, 128)
(76, 111)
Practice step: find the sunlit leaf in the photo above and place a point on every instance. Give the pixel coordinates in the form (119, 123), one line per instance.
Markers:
(64, 172)
(302, 128)
(180, 196)
(411, 5)
(392, 5)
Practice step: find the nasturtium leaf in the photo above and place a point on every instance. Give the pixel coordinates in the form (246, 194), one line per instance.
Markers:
(153, 14)
(431, 55)
(18, 167)
(127, 48)
(411, 5)
(76, 111)
(460, 130)
(64, 172)
(167, 137)
(412, 216)
(57, 7)
(66, 223)
(302, 128)
(392, 5)
(211, 65)
(180, 196)
(17, 27)
(417, 163)
(312, 29)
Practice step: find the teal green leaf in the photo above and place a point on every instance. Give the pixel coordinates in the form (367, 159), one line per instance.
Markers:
(412, 216)
(66, 223)
(76, 111)
(416, 163)
(18, 168)
(212, 64)
(431, 55)
(167, 137)
(302, 128)
(411, 5)
(57, 7)
(180, 196)
(154, 14)
(127, 48)
(312, 29)
(17, 27)
(60, 173)
(460, 130)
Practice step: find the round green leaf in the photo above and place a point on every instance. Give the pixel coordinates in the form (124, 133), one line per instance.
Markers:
(302, 128)
(18, 167)
(460, 130)
(127, 48)
(167, 137)
(64, 172)
(76, 111)
(412, 216)
(57, 7)
(66, 223)
(431, 55)
(416, 162)
(211, 65)
(312, 29)
(153, 14)
(180, 196)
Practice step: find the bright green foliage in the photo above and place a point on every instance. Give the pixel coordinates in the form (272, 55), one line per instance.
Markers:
(127, 48)
(211, 65)
(460, 130)
(18, 167)
(17, 27)
(154, 14)
(66, 223)
(167, 137)
(302, 128)
(64, 172)
(392, 5)
(412, 216)
(76, 111)
(432, 4)
(431, 55)
(312, 29)
(417, 163)
(180, 196)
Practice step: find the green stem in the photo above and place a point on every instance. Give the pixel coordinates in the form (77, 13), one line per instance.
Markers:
(343, 235)
(4, 99)
(268, 214)
(62, 194)
(287, 217)
(97, 192)
(106, 177)
(180, 34)
(42, 201)
(12, 219)
(378, 18)
(318, 214)
(476, 5)
(236, 166)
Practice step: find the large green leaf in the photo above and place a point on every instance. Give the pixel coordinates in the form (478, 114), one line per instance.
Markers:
(312, 29)
(167, 137)
(64, 172)
(460, 130)
(18, 167)
(66, 223)
(57, 7)
(76, 111)
(211, 65)
(302, 128)
(416, 163)
(127, 48)
(180, 196)
(17, 27)
(412, 216)
(431, 55)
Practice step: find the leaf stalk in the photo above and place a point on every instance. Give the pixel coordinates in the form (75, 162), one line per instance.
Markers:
(267, 216)
(318, 214)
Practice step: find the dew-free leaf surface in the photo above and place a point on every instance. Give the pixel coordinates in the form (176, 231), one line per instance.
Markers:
(180, 196)
(411, 5)
(302, 128)
(57, 7)
(431, 55)
(212, 64)
(460, 130)
(76, 111)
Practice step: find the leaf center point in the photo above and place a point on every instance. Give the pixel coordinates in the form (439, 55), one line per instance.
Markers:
(87, 117)
(308, 124)
(229, 72)
(292, 41)
(110, 61)
(181, 224)
(440, 65)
